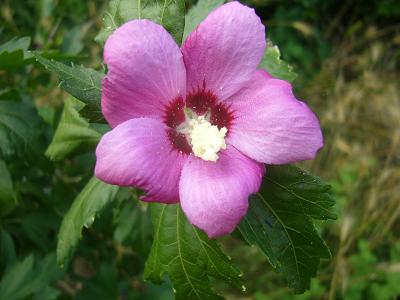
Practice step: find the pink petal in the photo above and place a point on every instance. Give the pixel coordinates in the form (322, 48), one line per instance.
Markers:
(225, 50)
(271, 125)
(214, 195)
(138, 153)
(145, 72)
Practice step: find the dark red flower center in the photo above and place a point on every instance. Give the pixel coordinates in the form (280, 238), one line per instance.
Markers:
(200, 102)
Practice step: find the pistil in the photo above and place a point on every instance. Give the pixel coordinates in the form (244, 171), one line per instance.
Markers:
(206, 139)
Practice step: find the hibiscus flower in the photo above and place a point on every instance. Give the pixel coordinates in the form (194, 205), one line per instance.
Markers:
(196, 124)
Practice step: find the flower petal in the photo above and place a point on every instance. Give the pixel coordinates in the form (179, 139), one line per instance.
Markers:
(138, 153)
(214, 195)
(145, 72)
(224, 51)
(271, 125)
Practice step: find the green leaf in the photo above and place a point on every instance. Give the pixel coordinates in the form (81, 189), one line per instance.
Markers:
(82, 83)
(104, 284)
(26, 278)
(73, 134)
(7, 195)
(294, 184)
(19, 123)
(187, 255)
(279, 222)
(93, 113)
(198, 13)
(15, 44)
(7, 250)
(168, 13)
(273, 63)
(17, 277)
(72, 43)
(91, 200)
(39, 227)
(134, 227)
(14, 54)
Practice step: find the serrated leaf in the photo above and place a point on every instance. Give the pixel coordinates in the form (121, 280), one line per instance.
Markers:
(82, 83)
(19, 123)
(28, 278)
(91, 200)
(7, 195)
(279, 222)
(13, 54)
(294, 184)
(187, 255)
(73, 134)
(198, 13)
(275, 66)
(168, 13)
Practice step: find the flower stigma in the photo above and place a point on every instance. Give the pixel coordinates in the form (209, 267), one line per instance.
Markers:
(205, 139)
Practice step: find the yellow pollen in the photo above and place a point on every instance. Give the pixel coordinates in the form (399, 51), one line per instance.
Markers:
(206, 139)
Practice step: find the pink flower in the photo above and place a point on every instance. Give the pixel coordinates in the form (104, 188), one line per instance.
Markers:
(196, 125)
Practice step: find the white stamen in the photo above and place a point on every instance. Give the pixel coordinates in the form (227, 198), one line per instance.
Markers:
(206, 139)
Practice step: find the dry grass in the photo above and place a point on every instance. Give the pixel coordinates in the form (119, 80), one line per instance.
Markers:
(357, 97)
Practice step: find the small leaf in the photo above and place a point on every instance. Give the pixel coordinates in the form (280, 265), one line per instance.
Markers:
(198, 13)
(82, 83)
(7, 195)
(19, 123)
(275, 66)
(73, 134)
(91, 200)
(187, 255)
(14, 54)
(279, 222)
(168, 13)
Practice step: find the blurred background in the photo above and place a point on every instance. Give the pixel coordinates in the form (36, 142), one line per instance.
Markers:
(347, 57)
